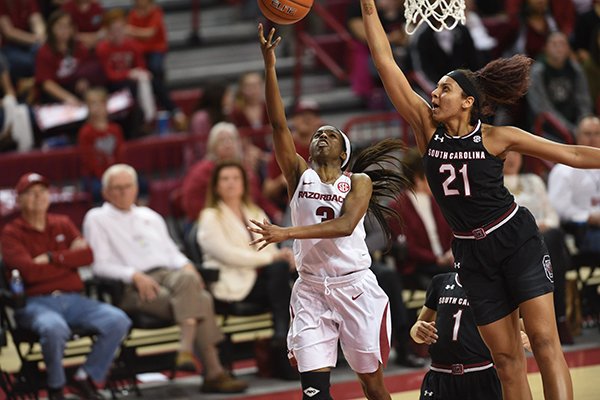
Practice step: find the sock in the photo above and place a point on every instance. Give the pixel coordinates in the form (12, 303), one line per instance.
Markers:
(80, 374)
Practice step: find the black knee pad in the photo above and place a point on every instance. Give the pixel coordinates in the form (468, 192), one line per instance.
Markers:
(315, 385)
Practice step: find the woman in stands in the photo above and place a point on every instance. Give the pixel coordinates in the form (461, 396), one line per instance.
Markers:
(336, 297)
(500, 255)
(244, 273)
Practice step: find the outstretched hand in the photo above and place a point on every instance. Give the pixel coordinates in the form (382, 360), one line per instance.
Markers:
(268, 46)
(270, 233)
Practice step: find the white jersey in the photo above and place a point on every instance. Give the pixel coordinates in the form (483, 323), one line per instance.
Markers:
(314, 202)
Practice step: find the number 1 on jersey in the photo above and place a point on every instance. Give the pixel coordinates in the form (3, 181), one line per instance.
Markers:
(456, 325)
(449, 168)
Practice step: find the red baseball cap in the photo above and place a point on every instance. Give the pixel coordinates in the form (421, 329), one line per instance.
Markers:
(307, 105)
(30, 179)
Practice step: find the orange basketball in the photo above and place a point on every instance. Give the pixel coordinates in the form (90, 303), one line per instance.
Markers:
(285, 12)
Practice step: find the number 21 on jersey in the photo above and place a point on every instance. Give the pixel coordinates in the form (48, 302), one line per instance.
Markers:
(451, 171)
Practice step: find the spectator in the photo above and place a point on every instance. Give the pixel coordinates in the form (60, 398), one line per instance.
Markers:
(586, 24)
(213, 107)
(245, 274)
(249, 113)
(561, 11)
(433, 53)
(363, 75)
(145, 24)
(591, 66)
(530, 191)
(23, 32)
(124, 64)
(64, 68)
(48, 250)
(427, 234)
(132, 244)
(100, 142)
(305, 122)
(575, 193)
(223, 144)
(87, 18)
(16, 121)
(534, 24)
(559, 85)
(390, 280)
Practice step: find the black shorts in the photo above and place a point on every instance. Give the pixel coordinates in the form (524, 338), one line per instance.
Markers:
(504, 269)
(470, 386)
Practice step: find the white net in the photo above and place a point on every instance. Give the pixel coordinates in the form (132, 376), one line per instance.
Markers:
(439, 14)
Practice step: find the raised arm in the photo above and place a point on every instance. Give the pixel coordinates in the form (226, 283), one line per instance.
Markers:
(291, 164)
(354, 208)
(412, 107)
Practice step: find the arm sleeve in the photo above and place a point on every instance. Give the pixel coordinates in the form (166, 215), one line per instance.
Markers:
(175, 256)
(582, 93)
(104, 264)
(69, 258)
(214, 241)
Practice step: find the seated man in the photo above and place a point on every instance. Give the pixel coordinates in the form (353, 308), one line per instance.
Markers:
(132, 244)
(48, 249)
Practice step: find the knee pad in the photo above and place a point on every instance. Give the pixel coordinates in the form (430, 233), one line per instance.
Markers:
(315, 385)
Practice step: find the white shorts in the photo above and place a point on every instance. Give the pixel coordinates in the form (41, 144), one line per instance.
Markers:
(352, 309)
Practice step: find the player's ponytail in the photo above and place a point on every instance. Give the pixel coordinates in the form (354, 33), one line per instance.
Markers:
(382, 163)
(503, 81)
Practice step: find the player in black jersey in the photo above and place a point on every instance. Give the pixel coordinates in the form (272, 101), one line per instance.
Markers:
(501, 258)
(461, 364)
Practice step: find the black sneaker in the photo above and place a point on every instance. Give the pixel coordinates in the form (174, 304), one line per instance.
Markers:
(85, 389)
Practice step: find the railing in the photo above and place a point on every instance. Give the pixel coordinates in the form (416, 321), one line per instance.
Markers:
(306, 40)
(366, 129)
(547, 119)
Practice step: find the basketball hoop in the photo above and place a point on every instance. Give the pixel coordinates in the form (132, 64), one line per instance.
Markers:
(439, 14)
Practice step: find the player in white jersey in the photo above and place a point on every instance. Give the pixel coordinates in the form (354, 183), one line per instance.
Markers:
(336, 297)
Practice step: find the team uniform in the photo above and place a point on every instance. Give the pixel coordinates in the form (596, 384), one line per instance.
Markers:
(336, 296)
(499, 253)
(461, 366)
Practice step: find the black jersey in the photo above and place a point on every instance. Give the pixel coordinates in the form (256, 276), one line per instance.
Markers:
(466, 181)
(458, 341)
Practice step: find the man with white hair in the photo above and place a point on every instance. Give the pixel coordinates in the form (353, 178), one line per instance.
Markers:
(132, 244)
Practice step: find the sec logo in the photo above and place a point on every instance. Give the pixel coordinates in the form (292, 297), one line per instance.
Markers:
(343, 187)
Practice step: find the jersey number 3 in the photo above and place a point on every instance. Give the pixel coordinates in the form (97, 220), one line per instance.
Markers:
(326, 213)
(449, 169)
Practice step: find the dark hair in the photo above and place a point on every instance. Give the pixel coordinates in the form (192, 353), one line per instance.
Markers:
(382, 163)
(500, 82)
(212, 101)
(212, 197)
(52, 20)
(413, 166)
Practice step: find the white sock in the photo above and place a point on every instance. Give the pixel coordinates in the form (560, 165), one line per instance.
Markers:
(80, 374)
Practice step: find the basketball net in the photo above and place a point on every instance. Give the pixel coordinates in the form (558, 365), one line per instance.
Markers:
(439, 14)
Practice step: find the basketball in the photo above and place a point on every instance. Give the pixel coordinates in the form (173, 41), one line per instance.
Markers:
(285, 12)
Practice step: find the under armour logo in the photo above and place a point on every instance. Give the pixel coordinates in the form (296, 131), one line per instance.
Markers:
(428, 394)
(477, 139)
(311, 391)
(438, 137)
(456, 265)
(450, 287)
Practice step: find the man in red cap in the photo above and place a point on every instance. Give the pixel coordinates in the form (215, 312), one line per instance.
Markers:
(47, 250)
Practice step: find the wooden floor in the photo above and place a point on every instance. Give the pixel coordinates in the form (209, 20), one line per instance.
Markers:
(583, 359)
